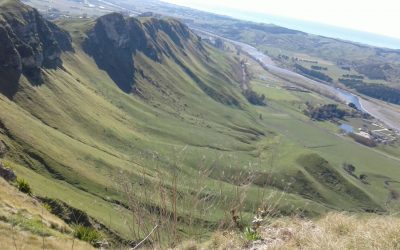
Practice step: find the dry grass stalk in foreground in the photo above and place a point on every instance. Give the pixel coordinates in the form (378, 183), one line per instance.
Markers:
(334, 231)
(14, 239)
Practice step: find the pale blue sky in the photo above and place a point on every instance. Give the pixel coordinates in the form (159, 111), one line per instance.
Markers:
(380, 17)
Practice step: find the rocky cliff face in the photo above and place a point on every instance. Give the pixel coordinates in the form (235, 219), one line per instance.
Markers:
(28, 43)
(10, 64)
(114, 40)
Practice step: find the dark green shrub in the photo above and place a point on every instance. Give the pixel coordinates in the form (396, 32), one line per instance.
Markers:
(349, 168)
(24, 186)
(87, 234)
(254, 98)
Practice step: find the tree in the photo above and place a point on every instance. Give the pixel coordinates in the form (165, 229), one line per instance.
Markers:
(353, 106)
(254, 98)
(349, 168)
(363, 178)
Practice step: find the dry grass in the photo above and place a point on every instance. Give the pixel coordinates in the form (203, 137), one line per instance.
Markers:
(12, 238)
(26, 224)
(13, 202)
(334, 231)
(339, 231)
(220, 240)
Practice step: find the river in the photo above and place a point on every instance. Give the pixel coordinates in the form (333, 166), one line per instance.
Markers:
(387, 113)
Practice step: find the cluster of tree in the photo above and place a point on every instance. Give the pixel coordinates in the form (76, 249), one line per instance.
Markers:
(219, 44)
(353, 76)
(313, 73)
(381, 92)
(318, 67)
(305, 60)
(350, 169)
(283, 57)
(325, 112)
(353, 106)
(378, 91)
(358, 113)
(375, 71)
(351, 82)
(254, 98)
(346, 68)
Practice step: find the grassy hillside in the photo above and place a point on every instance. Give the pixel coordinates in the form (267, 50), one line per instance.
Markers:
(379, 67)
(26, 224)
(184, 148)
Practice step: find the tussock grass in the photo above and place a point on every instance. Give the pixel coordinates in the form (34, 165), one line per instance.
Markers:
(26, 224)
(87, 234)
(333, 231)
(15, 206)
(24, 187)
(12, 238)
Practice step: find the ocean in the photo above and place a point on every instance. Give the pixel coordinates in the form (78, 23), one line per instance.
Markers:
(314, 28)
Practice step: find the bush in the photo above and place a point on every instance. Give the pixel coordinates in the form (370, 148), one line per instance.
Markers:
(48, 207)
(254, 98)
(24, 186)
(349, 168)
(353, 106)
(87, 234)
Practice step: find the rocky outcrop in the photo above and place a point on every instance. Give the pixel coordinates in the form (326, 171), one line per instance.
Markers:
(10, 64)
(113, 41)
(177, 31)
(62, 37)
(28, 43)
(7, 173)
(108, 43)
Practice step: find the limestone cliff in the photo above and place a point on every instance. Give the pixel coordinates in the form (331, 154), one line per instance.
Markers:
(28, 43)
(114, 40)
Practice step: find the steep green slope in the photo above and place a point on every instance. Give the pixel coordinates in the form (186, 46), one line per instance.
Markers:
(171, 136)
(27, 224)
(338, 58)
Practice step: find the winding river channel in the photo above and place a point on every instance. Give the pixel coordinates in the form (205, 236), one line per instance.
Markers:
(387, 113)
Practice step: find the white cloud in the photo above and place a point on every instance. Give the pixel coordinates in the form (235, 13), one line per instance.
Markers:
(381, 17)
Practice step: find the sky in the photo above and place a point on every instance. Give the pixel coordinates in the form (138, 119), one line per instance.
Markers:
(379, 17)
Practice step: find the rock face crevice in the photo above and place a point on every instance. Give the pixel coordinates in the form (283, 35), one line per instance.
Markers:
(114, 40)
(10, 64)
(28, 43)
